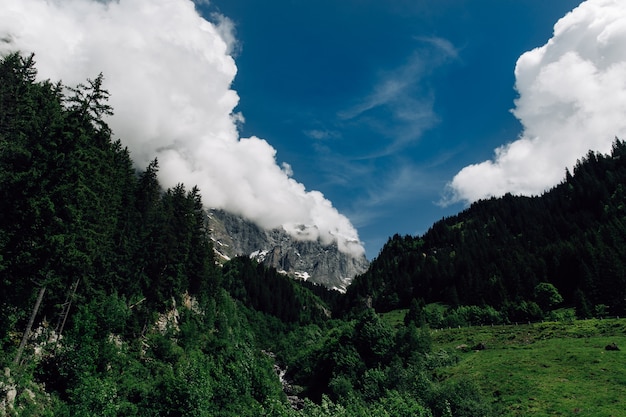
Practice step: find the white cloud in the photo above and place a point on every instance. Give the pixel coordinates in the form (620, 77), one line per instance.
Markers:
(226, 29)
(572, 98)
(320, 134)
(442, 44)
(169, 72)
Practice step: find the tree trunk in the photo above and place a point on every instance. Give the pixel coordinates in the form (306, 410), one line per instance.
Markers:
(42, 290)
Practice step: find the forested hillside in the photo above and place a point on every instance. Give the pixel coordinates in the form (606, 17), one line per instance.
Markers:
(516, 258)
(112, 303)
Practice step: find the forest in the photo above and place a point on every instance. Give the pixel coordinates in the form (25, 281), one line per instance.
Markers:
(516, 258)
(112, 302)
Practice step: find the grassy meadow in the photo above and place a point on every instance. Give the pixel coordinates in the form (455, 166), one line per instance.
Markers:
(543, 369)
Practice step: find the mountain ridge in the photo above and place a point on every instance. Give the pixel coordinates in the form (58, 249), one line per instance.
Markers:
(233, 235)
(496, 252)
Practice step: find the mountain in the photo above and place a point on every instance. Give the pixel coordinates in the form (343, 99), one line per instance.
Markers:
(233, 235)
(499, 251)
(111, 297)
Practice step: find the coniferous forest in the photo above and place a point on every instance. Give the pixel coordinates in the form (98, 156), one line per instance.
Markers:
(112, 302)
(517, 257)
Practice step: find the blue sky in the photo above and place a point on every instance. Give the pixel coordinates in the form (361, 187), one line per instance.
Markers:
(378, 104)
(344, 121)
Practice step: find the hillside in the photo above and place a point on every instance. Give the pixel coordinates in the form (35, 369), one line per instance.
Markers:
(543, 369)
(496, 252)
(113, 303)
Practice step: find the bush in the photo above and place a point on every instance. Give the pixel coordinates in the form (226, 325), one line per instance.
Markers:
(601, 311)
(566, 315)
(524, 311)
(472, 316)
(547, 296)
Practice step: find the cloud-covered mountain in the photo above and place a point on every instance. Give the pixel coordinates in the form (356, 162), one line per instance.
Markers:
(572, 98)
(169, 72)
(233, 235)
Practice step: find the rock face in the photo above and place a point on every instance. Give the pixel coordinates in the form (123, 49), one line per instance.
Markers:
(233, 235)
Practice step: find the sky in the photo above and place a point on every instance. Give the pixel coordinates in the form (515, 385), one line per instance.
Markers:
(344, 121)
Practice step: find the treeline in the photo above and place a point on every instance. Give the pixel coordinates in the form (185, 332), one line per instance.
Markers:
(133, 318)
(136, 317)
(114, 282)
(268, 291)
(501, 255)
(73, 211)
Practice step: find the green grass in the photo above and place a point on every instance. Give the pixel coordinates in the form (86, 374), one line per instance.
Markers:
(394, 318)
(546, 369)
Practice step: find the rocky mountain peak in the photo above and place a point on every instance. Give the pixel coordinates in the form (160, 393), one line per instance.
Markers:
(233, 235)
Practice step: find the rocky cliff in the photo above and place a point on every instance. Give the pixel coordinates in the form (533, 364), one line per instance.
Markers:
(309, 260)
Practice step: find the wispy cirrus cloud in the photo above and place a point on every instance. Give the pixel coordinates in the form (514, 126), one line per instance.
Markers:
(322, 134)
(369, 134)
(400, 105)
(443, 45)
(396, 187)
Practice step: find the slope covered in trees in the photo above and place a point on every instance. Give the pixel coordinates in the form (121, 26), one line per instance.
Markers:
(506, 253)
(113, 282)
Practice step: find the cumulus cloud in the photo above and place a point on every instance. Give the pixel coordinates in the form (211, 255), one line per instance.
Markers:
(572, 99)
(169, 72)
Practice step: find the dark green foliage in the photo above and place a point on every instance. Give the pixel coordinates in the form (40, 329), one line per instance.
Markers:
(458, 399)
(72, 208)
(472, 316)
(498, 251)
(416, 313)
(547, 296)
(151, 326)
(267, 291)
(412, 342)
(373, 339)
(364, 363)
(114, 251)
